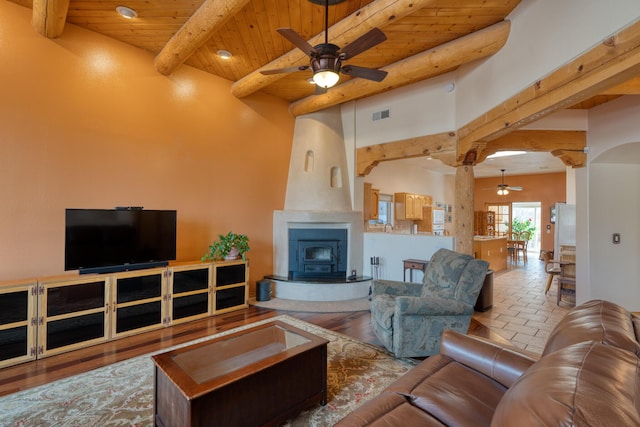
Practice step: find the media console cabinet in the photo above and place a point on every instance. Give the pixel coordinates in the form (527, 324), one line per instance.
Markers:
(52, 315)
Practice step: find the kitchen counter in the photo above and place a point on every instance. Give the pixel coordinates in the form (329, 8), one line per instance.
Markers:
(394, 247)
(492, 249)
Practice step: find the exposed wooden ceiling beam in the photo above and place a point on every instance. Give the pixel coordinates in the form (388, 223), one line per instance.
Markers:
(49, 16)
(567, 145)
(378, 14)
(610, 63)
(424, 65)
(630, 87)
(439, 146)
(209, 17)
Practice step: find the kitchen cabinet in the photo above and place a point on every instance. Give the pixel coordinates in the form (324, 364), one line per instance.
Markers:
(432, 221)
(493, 250)
(409, 206)
(370, 203)
(484, 223)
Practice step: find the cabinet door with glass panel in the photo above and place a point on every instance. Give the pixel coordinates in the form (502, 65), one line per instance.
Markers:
(138, 301)
(190, 291)
(502, 219)
(72, 313)
(17, 322)
(230, 280)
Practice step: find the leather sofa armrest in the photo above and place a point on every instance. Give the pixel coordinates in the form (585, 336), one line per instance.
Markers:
(393, 287)
(503, 364)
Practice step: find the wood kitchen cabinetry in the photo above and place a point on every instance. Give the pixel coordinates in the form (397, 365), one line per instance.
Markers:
(47, 316)
(493, 250)
(409, 206)
(370, 203)
(426, 224)
(484, 223)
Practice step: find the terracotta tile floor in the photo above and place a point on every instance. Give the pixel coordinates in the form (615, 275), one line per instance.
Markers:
(521, 312)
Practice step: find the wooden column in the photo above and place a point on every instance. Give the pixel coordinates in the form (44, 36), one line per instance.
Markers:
(464, 209)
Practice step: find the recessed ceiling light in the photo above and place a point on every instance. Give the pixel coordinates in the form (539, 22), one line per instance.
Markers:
(224, 54)
(126, 12)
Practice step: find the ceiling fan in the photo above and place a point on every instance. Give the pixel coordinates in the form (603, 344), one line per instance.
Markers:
(503, 189)
(326, 58)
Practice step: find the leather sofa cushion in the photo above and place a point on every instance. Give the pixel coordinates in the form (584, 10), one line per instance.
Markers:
(450, 392)
(388, 409)
(598, 321)
(587, 384)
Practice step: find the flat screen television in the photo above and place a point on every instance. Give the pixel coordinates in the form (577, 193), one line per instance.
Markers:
(109, 240)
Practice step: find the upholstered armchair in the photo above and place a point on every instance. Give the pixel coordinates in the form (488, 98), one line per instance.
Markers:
(409, 318)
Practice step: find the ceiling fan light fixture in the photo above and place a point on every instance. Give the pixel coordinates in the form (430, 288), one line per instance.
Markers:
(326, 78)
(502, 191)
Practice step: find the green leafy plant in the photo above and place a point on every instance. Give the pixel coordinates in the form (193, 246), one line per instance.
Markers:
(225, 243)
(518, 226)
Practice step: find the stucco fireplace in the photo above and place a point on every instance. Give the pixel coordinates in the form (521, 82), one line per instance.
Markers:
(318, 211)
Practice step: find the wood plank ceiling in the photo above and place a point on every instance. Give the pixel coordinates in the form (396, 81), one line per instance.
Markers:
(425, 38)
(247, 29)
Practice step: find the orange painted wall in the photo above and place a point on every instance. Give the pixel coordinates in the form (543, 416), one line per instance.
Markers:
(87, 122)
(545, 188)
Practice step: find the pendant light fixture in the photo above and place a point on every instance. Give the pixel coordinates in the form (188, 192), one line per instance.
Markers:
(502, 188)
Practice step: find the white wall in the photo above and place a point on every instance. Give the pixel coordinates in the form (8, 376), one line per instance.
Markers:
(608, 202)
(545, 34)
(419, 109)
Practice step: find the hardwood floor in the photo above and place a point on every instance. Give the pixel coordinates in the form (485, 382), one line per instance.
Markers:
(27, 375)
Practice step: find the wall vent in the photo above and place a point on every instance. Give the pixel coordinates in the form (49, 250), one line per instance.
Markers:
(379, 115)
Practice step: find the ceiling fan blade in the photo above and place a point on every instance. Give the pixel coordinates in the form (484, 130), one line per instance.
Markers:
(366, 41)
(516, 188)
(364, 73)
(297, 41)
(284, 70)
(320, 90)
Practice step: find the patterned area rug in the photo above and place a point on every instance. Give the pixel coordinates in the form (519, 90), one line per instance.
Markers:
(122, 394)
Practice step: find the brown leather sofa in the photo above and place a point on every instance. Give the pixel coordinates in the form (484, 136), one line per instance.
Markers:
(587, 375)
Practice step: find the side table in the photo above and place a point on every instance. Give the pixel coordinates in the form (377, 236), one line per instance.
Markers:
(413, 264)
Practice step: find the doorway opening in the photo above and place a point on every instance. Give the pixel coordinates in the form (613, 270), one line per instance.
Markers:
(529, 212)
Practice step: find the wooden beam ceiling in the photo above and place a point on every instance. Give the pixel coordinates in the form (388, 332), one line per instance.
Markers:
(49, 16)
(208, 19)
(431, 63)
(379, 13)
(608, 64)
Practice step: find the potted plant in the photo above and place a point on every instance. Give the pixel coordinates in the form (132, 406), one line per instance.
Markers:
(229, 246)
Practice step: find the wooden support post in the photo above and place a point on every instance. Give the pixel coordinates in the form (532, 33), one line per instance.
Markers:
(464, 209)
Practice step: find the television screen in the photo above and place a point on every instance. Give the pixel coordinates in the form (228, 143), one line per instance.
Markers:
(103, 240)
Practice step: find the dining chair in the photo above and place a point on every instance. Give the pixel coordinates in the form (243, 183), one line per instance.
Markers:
(522, 244)
(512, 241)
(550, 267)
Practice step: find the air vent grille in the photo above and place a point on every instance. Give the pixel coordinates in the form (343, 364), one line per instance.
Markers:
(379, 115)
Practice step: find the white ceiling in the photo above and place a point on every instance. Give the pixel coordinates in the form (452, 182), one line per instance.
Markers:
(522, 164)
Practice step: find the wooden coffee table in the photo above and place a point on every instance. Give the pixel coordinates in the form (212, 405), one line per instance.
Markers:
(259, 376)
